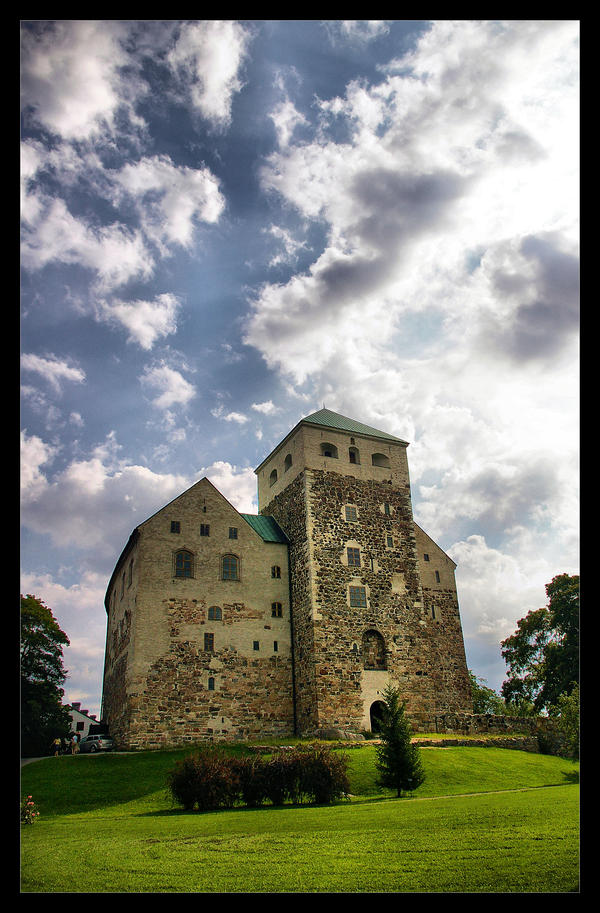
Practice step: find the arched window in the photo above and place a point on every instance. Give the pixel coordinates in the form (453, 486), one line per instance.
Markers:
(329, 450)
(354, 455)
(214, 613)
(230, 567)
(373, 648)
(184, 564)
(380, 459)
(287, 462)
(273, 477)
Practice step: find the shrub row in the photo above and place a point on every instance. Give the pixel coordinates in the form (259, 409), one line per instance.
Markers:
(210, 779)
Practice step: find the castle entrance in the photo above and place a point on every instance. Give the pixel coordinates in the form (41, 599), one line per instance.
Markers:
(376, 715)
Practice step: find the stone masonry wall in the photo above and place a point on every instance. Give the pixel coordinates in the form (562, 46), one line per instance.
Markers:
(252, 697)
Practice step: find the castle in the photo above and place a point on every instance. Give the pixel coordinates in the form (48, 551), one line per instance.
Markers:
(231, 626)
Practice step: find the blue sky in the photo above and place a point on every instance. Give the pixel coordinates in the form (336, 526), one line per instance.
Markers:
(228, 224)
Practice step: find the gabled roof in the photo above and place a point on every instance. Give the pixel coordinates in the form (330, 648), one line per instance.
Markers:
(266, 527)
(330, 419)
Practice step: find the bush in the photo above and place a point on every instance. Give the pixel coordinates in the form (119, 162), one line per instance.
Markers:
(209, 780)
(29, 811)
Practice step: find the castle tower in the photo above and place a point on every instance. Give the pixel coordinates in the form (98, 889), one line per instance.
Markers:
(373, 597)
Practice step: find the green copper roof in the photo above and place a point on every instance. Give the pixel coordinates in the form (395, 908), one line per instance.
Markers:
(266, 527)
(332, 420)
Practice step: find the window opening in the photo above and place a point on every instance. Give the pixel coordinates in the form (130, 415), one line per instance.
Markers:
(353, 557)
(358, 596)
(183, 564)
(231, 568)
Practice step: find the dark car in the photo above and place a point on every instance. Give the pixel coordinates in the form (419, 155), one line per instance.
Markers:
(93, 743)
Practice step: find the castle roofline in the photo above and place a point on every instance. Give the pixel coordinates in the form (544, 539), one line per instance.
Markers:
(325, 418)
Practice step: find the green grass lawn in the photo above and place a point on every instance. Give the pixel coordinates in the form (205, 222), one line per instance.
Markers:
(484, 820)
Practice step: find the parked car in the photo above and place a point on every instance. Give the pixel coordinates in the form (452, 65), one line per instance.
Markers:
(93, 743)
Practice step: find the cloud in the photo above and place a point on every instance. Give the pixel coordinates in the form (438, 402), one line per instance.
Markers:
(173, 389)
(207, 57)
(71, 75)
(53, 369)
(115, 253)
(145, 321)
(423, 175)
(171, 199)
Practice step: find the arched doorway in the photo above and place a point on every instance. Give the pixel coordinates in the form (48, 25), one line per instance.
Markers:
(376, 715)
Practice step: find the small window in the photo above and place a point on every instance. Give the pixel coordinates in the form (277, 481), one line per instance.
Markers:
(214, 613)
(273, 477)
(353, 557)
(205, 529)
(351, 513)
(230, 568)
(389, 541)
(433, 612)
(329, 450)
(426, 557)
(233, 532)
(175, 526)
(256, 645)
(387, 509)
(437, 576)
(209, 643)
(358, 596)
(275, 647)
(353, 455)
(80, 726)
(287, 462)
(275, 571)
(211, 683)
(184, 566)
(380, 459)
(276, 610)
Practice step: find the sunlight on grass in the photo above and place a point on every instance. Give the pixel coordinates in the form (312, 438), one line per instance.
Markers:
(509, 841)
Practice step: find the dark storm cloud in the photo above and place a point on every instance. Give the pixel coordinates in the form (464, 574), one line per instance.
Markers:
(545, 293)
(398, 206)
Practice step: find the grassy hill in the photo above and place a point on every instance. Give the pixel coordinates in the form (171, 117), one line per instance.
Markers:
(484, 820)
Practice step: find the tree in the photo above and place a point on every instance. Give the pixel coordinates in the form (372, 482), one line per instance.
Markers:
(543, 653)
(398, 760)
(567, 717)
(485, 700)
(43, 715)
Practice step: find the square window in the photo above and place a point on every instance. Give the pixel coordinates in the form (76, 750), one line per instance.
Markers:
(426, 557)
(358, 596)
(205, 529)
(175, 526)
(276, 610)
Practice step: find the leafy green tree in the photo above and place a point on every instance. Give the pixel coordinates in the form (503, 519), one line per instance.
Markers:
(566, 713)
(43, 715)
(543, 654)
(485, 700)
(398, 761)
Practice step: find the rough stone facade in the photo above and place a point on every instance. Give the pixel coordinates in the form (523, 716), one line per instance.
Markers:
(334, 593)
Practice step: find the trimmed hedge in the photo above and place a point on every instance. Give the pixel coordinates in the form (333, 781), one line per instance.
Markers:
(209, 779)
